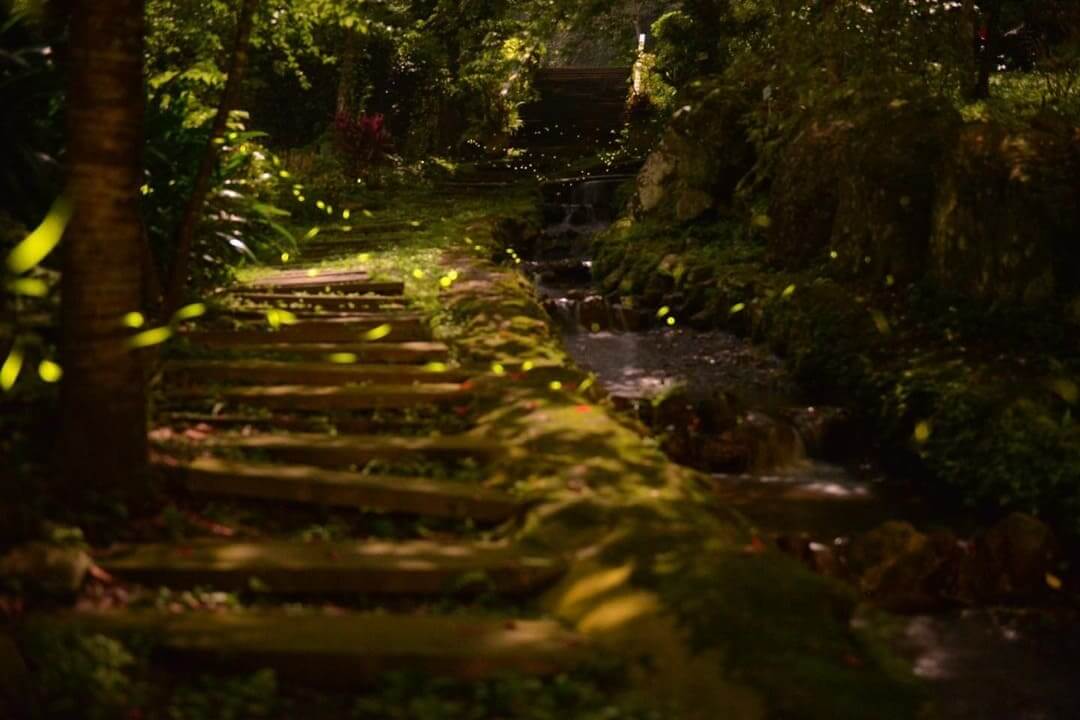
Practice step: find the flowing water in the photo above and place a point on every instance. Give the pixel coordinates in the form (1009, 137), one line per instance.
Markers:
(803, 473)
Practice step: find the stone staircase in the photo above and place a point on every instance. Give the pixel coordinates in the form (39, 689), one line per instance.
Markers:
(239, 423)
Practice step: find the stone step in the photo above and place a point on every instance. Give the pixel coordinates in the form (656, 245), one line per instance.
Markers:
(246, 313)
(401, 329)
(329, 397)
(329, 488)
(404, 353)
(290, 301)
(328, 285)
(341, 651)
(334, 568)
(291, 423)
(310, 274)
(338, 450)
(272, 372)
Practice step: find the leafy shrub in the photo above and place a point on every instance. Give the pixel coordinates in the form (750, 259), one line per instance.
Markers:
(363, 140)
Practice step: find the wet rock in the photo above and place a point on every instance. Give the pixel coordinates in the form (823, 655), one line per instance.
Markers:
(829, 433)
(819, 557)
(724, 453)
(1015, 556)
(52, 569)
(884, 545)
(593, 313)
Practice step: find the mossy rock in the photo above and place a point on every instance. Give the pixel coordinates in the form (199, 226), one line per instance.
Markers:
(886, 191)
(1007, 215)
(701, 158)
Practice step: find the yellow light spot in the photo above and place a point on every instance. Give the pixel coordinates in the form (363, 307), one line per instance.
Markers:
(345, 214)
(762, 221)
(663, 312)
(329, 209)
(1053, 581)
(890, 280)
(671, 321)
(378, 333)
(284, 174)
(834, 255)
(415, 223)
(453, 275)
(418, 273)
(133, 320)
(149, 338)
(30, 287)
(1067, 389)
(880, 322)
(320, 204)
(437, 367)
(189, 312)
(49, 371)
(528, 365)
(343, 358)
(737, 308)
(498, 369)
(9, 371)
(38, 244)
(312, 273)
(276, 318)
(788, 292)
(595, 327)
(285, 257)
(922, 431)
(555, 385)
(368, 214)
(587, 383)
(301, 198)
(310, 234)
(446, 282)
(363, 257)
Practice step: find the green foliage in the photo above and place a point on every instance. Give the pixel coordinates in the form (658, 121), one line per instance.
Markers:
(245, 697)
(29, 118)
(584, 696)
(85, 677)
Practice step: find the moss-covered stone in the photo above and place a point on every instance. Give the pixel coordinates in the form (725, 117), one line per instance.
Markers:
(662, 576)
(1007, 214)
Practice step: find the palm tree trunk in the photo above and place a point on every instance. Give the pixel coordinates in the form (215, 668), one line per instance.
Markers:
(103, 426)
(189, 223)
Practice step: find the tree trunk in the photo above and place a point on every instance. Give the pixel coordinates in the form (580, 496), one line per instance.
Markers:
(103, 396)
(992, 24)
(346, 99)
(189, 222)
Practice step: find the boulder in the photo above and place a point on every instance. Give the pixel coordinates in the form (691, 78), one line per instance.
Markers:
(860, 181)
(1015, 557)
(804, 196)
(886, 191)
(52, 569)
(1007, 214)
(700, 159)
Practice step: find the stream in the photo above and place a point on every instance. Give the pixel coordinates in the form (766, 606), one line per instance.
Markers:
(804, 474)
